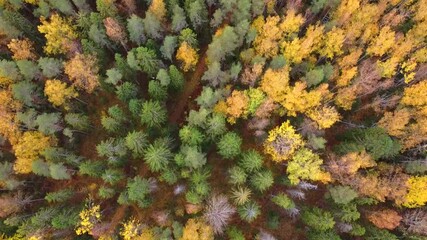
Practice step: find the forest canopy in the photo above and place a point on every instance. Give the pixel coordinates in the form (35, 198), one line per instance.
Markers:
(213, 119)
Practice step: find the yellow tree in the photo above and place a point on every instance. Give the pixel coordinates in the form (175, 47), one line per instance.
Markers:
(282, 142)
(349, 163)
(9, 127)
(134, 230)
(347, 74)
(345, 9)
(332, 43)
(28, 149)
(298, 49)
(237, 105)
(395, 122)
(291, 23)
(324, 116)
(188, 56)
(415, 95)
(382, 43)
(265, 43)
(89, 216)
(346, 97)
(306, 165)
(22, 49)
(158, 8)
(197, 229)
(298, 99)
(58, 93)
(59, 33)
(83, 72)
(417, 193)
(275, 83)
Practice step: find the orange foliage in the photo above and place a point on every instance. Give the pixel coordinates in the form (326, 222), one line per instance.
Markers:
(386, 219)
(22, 49)
(83, 72)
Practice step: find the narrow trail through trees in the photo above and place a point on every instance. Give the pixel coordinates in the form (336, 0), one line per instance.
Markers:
(191, 86)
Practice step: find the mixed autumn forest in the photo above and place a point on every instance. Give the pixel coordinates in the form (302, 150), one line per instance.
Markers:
(213, 119)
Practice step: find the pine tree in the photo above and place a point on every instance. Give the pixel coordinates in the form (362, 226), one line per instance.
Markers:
(153, 27)
(51, 67)
(190, 136)
(249, 211)
(112, 176)
(138, 190)
(178, 19)
(136, 142)
(127, 91)
(153, 114)
(143, 59)
(229, 145)
(135, 27)
(92, 168)
(78, 121)
(169, 46)
(262, 180)
(58, 171)
(237, 175)
(49, 123)
(318, 219)
(157, 155)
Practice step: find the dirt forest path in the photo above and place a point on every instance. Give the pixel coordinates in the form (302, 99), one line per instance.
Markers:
(191, 86)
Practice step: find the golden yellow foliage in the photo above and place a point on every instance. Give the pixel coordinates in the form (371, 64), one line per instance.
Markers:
(59, 33)
(382, 43)
(188, 56)
(305, 165)
(345, 9)
(28, 148)
(282, 142)
(158, 8)
(22, 49)
(324, 116)
(266, 42)
(58, 93)
(275, 83)
(351, 59)
(221, 107)
(345, 97)
(237, 105)
(197, 229)
(83, 72)
(332, 43)
(134, 230)
(395, 122)
(258, 23)
(415, 95)
(350, 163)
(408, 68)
(347, 74)
(291, 23)
(9, 127)
(417, 193)
(298, 49)
(88, 218)
(299, 100)
(292, 50)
